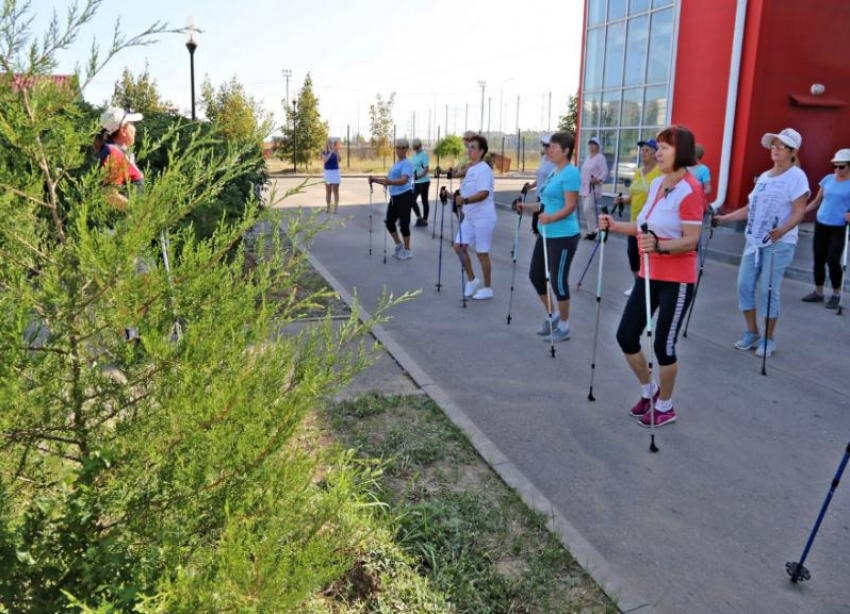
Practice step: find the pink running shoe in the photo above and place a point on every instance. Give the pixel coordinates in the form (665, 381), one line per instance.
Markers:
(661, 418)
(642, 406)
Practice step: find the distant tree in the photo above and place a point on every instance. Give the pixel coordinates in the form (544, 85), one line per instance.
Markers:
(234, 113)
(137, 94)
(569, 122)
(311, 133)
(381, 120)
(450, 146)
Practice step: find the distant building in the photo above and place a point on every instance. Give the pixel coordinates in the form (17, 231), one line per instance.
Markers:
(648, 63)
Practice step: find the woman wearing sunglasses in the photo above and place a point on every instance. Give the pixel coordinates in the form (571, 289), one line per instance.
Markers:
(776, 207)
(833, 206)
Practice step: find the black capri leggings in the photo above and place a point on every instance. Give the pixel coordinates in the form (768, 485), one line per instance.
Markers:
(561, 251)
(634, 254)
(421, 190)
(399, 211)
(671, 299)
(828, 246)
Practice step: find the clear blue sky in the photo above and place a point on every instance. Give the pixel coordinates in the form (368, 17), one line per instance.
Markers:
(432, 54)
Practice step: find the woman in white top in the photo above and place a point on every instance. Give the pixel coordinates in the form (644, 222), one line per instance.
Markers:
(478, 218)
(776, 207)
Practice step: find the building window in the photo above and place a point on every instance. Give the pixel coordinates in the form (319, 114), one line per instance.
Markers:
(628, 53)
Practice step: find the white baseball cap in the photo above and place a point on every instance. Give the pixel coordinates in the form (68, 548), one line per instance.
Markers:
(546, 139)
(842, 155)
(595, 139)
(113, 118)
(789, 136)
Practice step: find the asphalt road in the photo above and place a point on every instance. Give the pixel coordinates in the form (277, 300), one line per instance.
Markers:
(706, 525)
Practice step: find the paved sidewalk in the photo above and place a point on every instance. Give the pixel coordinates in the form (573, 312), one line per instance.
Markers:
(706, 525)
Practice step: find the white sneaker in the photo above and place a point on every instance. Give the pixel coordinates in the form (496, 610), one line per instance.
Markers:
(483, 294)
(405, 254)
(471, 287)
(627, 292)
(397, 250)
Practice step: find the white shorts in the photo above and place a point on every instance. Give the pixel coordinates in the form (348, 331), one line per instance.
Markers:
(331, 176)
(477, 232)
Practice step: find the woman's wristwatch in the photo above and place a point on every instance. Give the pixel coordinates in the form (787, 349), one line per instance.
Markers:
(465, 201)
(658, 249)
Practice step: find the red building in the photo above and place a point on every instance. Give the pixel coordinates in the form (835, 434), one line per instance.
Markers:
(731, 70)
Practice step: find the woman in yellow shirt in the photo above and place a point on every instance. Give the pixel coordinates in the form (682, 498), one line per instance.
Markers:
(638, 193)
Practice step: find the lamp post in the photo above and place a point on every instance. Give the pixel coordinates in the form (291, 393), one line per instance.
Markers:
(191, 45)
(286, 75)
(483, 86)
(294, 136)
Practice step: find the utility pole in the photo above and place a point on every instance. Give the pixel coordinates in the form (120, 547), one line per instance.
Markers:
(517, 112)
(447, 120)
(429, 126)
(413, 133)
(489, 113)
(483, 86)
(549, 126)
(286, 75)
(466, 118)
(294, 138)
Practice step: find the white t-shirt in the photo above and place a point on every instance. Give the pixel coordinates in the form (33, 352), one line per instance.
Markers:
(771, 202)
(479, 178)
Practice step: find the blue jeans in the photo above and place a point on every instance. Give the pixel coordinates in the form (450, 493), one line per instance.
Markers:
(755, 270)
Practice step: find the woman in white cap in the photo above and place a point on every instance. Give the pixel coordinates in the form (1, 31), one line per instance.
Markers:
(776, 207)
(477, 210)
(112, 147)
(594, 172)
(543, 171)
(331, 174)
(400, 183)
(833, 206)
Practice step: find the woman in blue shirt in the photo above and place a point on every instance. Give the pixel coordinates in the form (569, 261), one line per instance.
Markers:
(400, 182)
(833, 205)
(559, 224)
(331, 174)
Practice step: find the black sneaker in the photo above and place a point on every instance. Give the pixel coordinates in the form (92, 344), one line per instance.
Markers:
(832, 303)
(420, 223)
(814, 297)
(591, 236)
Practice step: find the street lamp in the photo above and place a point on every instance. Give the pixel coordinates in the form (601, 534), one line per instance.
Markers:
(286, 75)
(294, 137)
(191, 45)
(483, 86)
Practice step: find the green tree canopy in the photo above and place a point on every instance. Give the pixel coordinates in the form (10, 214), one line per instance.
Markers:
(137, 94)
(569, 121)
(451, 145)
(381, 124)
(304, 134)
(231, 110)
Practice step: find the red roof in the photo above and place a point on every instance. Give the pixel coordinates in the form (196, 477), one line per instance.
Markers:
(20, 81)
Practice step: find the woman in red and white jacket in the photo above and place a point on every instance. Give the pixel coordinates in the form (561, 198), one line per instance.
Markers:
(673, 214)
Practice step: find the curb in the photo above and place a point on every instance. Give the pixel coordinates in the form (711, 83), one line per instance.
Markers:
(625, 598)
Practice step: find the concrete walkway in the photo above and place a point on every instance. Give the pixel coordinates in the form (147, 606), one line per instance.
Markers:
(706, 525)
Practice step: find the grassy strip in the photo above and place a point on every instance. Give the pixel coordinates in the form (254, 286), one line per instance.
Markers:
(471, 536)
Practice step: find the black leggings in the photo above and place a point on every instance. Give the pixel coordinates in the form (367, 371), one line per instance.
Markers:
(561, 251)
(829, 246)
(421, 189)
(399, 211)
(634, 254)
(671, 299)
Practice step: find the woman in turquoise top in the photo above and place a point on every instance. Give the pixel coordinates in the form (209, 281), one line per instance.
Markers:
(833, 205)
(559, 225)
(400, 183)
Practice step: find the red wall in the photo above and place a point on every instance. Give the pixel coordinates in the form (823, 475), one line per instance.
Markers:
(706, 28)
(797, 45)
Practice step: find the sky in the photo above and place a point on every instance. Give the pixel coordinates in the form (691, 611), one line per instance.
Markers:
(430, 54)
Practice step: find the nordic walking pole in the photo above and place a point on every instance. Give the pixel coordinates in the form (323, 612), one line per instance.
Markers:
(514, 255)
(177, 329)
(703, 254)
(769, 296)
(796, 570)
(460, 251)
(646, 279)
(371, 192)
(587, 266)
(603, 237)
(436, 199)
(452, 216)
(386, 218)
(443, 199)
(548, 290)
(843, 271)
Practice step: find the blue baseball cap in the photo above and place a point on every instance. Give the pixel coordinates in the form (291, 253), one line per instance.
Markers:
(649, 143)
